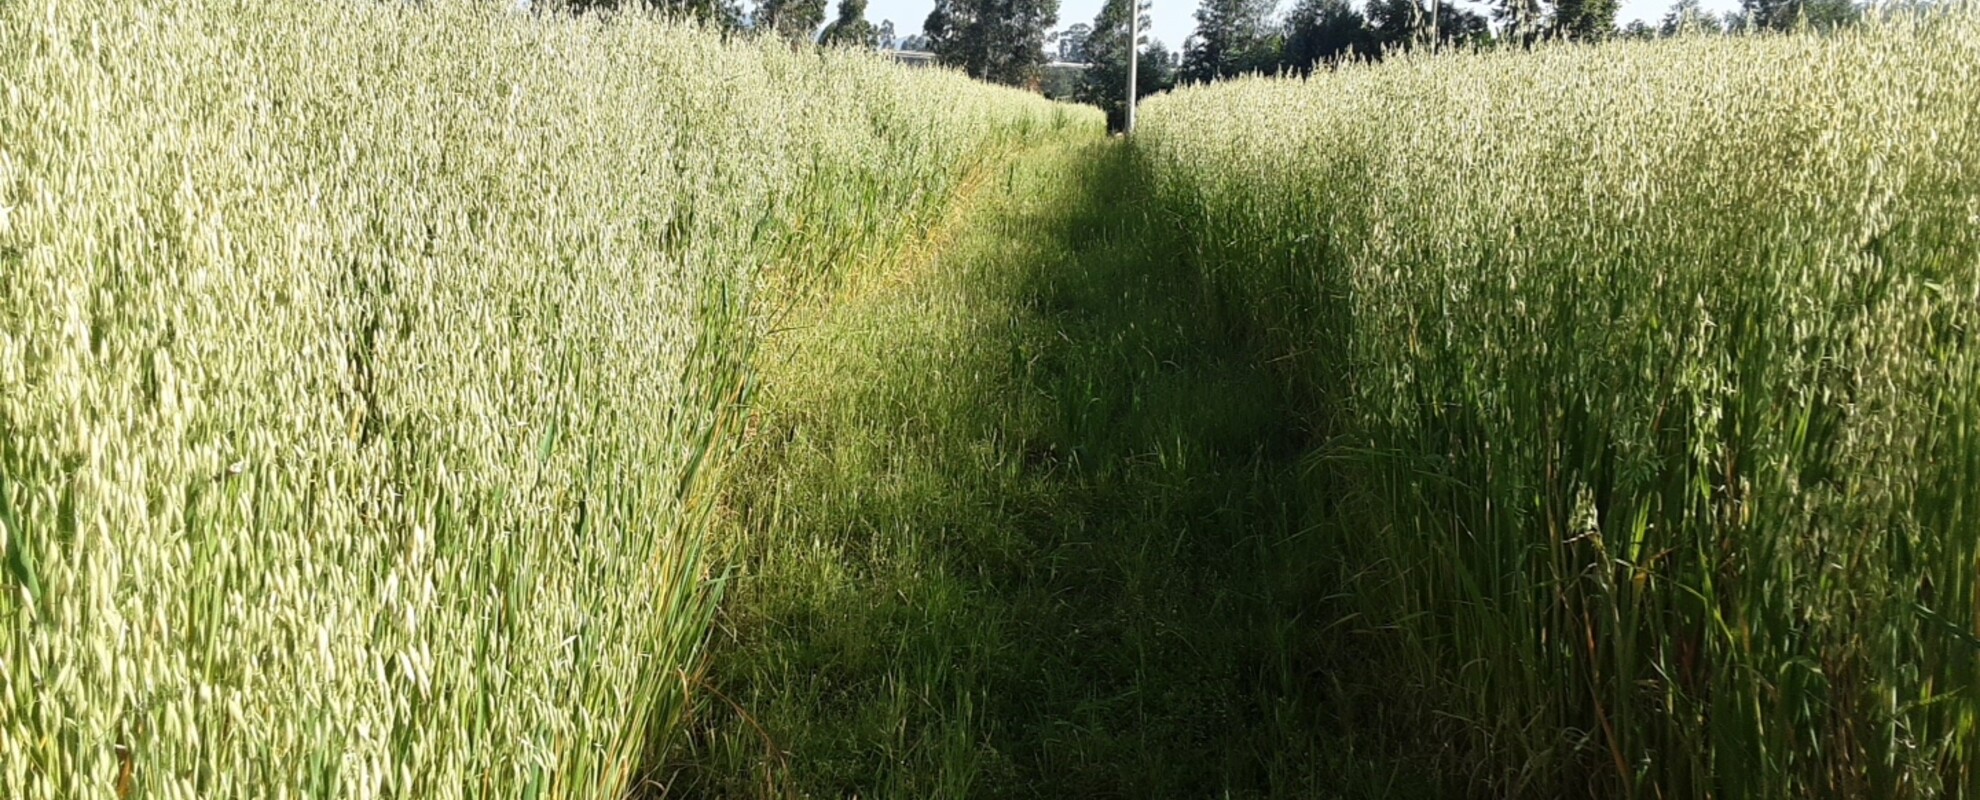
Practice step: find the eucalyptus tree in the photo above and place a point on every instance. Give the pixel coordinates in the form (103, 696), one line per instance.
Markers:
(1002, 41)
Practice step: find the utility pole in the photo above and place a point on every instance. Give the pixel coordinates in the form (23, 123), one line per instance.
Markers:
(1134, 59)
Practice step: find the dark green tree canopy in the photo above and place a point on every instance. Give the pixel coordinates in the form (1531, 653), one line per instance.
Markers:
(850, 29)
(1404, 24)
(1104, 83)
(1321, 32)
(1781, 15)
(724, 13)
(1232, 37)
(796, 20)
(1585, 20)
(1521, 21)
(1687, 16)
(1158, 67)
(1072, 43)
(1002, 41)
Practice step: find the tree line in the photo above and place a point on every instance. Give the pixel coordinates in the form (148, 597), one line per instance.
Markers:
(1006, 41)
(1240, 36)
(801, 21)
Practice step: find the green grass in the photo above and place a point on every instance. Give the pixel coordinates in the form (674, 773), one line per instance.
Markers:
(1019, 520)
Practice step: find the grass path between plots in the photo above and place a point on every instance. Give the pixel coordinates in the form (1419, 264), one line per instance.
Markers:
(1017, 517)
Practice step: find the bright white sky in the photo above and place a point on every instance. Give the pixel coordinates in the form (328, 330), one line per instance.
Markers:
(1174, 19)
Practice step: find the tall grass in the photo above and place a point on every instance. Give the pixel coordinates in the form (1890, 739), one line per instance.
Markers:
(1651, 382)
(362, 367)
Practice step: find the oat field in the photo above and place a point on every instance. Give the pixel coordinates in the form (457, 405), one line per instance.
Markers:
(364, 369)
(445, 400)
(1647, 380)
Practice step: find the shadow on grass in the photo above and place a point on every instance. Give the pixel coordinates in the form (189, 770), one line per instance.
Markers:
(1027, 522)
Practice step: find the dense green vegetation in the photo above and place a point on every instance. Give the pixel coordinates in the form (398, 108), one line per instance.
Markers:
(423, 400)
(1647, 389)
(363, 367)
(1583, 422)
